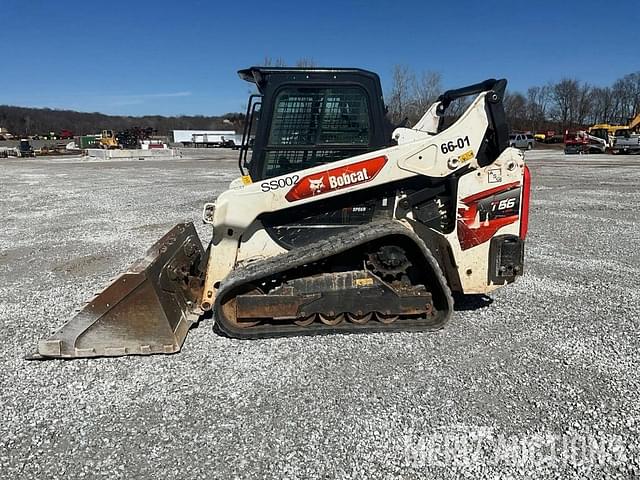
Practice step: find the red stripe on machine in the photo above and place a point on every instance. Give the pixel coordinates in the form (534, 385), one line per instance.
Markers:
(524, 207)
(482, 214)
(336, 178)
(487, 193)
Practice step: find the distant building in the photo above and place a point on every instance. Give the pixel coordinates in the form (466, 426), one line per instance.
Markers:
(202, 137)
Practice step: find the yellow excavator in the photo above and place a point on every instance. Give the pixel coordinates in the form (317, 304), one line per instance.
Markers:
(607, 131)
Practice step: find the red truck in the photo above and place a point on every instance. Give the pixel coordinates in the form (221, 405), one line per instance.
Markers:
(581, 142)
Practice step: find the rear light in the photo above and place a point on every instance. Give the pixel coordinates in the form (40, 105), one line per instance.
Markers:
(524, 204)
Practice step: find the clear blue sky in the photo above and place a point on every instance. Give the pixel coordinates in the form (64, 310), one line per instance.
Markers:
(180, 57)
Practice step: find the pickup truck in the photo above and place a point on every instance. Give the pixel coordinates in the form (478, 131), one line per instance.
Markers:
(626, 142)
(523, 141)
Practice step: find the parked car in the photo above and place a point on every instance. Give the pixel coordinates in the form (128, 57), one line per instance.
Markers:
(523, 141)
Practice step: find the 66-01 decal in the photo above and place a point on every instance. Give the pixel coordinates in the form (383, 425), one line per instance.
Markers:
(453, 145)
(278, 183)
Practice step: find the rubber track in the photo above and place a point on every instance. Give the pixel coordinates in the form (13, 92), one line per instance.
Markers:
(314, 252)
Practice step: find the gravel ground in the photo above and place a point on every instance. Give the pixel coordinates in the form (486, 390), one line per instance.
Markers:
(541, 382)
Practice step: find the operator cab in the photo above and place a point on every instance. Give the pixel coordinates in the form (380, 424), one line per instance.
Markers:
(304, 117)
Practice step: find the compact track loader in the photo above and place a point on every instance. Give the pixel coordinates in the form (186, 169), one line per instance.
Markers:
(337, 224)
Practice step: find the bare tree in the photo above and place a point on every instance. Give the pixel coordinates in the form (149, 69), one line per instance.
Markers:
(306, 62)
(537, 106)
(626, 91)
(584, 103)
(271, 62)
(564, 96)
(426, 90)
(457, 108)
(403, 80)
(634, 84)
(602, 105)
(516, 110)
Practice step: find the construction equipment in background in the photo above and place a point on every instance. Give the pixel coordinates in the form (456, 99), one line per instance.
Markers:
(60, 148)
(581, 142)
(619, 139)
(601, 132)
(108, 140)
(132, 138)
(607, 128)
(5, 134)
(233, 142)
(608, 132)
(336, 224)
(549, 136)
(24, 149)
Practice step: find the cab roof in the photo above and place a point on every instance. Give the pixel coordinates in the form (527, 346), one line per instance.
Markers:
(260, 75)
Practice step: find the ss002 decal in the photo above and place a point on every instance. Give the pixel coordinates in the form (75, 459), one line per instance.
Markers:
(482, 214)
(336, 178)
(278, 183)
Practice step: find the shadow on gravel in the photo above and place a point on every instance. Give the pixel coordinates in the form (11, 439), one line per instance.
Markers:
(471, 302)
(208, 315)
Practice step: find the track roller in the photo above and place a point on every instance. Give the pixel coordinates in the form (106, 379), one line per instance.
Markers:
(359, 319)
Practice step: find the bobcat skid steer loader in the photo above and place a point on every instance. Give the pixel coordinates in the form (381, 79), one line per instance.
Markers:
(337, 224)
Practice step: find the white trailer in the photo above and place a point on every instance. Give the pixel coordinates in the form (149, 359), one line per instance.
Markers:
(197, 138)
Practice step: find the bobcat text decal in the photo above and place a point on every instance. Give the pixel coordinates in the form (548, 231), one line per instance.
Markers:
(336, 178)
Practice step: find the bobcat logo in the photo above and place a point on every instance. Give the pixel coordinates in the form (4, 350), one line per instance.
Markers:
(316, 185)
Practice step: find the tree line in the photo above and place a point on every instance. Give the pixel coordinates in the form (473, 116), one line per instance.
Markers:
(32, 121)
(567, 104)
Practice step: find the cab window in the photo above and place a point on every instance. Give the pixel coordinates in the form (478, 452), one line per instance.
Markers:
(315, 125)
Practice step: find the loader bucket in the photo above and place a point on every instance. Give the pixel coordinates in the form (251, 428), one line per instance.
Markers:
(146, 310)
